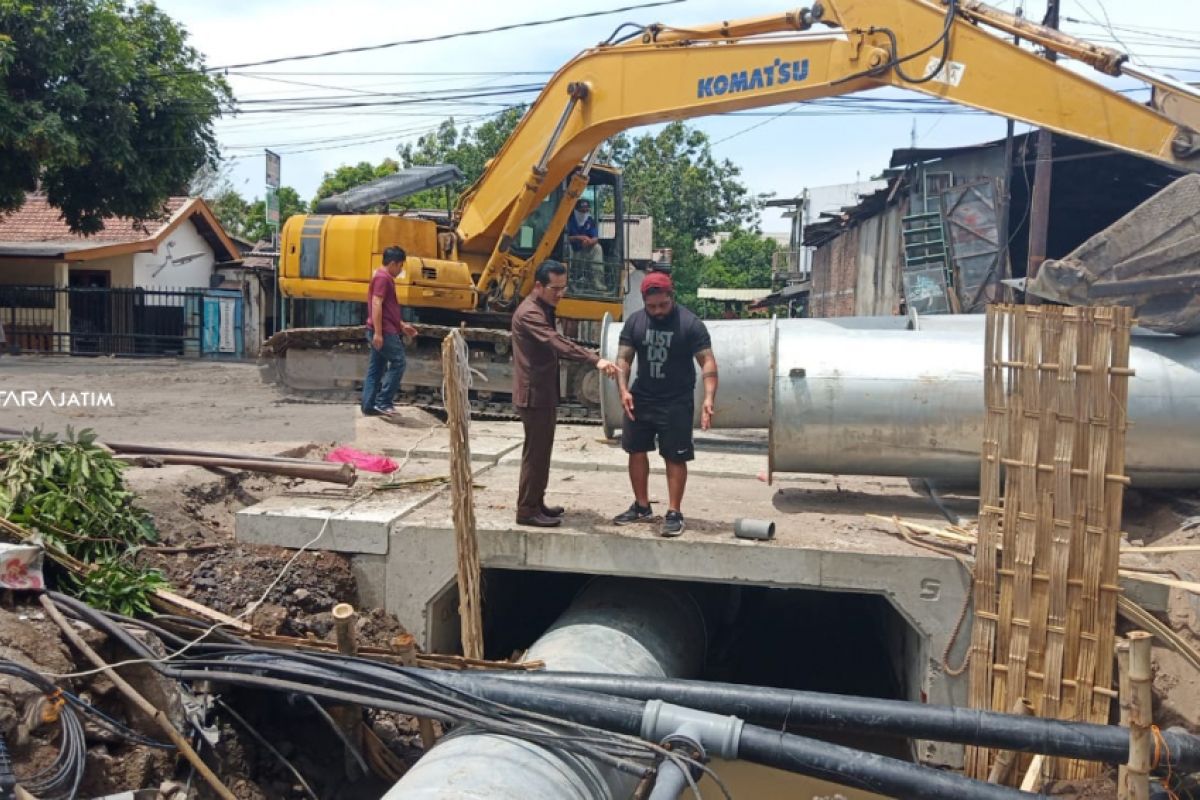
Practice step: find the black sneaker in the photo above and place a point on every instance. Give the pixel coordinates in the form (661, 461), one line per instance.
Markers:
(634, 513)
(672, 524)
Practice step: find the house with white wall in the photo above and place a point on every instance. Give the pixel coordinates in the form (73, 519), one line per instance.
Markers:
(138, 287)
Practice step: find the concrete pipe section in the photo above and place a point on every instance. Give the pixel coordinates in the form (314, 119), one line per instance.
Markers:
(615, 626)
(904, 397)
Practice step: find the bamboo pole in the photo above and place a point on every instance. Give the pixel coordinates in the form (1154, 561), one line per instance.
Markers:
(1006, 758)
(457, 377)
(407, 651)
(344, 632)
(144, 705)
(1123, 684)
(349, 718)
(1137, 771)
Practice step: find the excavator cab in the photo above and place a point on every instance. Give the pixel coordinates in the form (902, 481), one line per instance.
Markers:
(592, 275)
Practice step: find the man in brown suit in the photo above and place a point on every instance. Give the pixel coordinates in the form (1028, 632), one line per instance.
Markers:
(537, 346)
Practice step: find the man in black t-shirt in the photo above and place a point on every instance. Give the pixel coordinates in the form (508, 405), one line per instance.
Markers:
(664, 337)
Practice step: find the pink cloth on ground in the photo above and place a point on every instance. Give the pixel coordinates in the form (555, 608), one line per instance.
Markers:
(361, 460)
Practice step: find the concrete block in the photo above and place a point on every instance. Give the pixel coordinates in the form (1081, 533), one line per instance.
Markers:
(344, 528)
(370, 576)
(1154, 597)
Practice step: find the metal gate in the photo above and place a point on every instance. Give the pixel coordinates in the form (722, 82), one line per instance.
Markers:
(102, 321)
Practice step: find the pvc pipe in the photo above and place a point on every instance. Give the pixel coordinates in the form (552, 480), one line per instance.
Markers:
(615, 626)
(797, 709)
(842, 765)
(762, 529)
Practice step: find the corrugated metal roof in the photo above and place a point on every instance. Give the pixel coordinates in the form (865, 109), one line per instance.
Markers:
(735, 295)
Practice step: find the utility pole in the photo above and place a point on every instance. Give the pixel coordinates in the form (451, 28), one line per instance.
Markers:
(1039, 203)
(1002, 266)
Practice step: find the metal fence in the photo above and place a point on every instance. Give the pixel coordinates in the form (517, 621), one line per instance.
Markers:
(594, 280)
(104, 321)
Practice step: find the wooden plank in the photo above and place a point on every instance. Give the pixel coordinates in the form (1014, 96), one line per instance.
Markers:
(176, 602)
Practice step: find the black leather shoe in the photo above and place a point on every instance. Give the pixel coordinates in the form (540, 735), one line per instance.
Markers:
(540, 520)
(553, 511)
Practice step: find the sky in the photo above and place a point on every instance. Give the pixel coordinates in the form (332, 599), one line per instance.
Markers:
(779, 153)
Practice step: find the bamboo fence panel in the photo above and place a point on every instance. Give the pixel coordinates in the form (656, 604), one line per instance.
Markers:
(1056, 386)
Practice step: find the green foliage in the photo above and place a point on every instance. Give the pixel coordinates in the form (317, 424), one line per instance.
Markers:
(72, 493)
(105, 108)
(348, 176)
(248, 220)
(673, 176)
(469, 149)
(119, 586)
(743, 261)
(290, 204)
(231, 209)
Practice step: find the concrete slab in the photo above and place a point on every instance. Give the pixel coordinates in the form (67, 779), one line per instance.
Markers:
(484, 449)
(580, 448)
(345, 524)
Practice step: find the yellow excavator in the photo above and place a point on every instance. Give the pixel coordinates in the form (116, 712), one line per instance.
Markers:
(470, 267)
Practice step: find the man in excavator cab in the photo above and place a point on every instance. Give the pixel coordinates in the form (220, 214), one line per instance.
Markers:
(583, 237)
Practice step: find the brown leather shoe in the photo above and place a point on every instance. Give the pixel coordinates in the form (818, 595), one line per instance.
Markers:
(553, 511)
(540, 520)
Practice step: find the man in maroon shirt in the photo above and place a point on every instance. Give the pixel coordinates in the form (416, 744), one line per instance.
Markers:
(384, 329)
(537, 346)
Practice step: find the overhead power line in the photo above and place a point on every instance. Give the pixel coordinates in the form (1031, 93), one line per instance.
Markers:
(444, 36)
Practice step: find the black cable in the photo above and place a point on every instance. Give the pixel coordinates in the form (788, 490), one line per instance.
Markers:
(104, 720)
(612, 37)
(420, 696)
(446, 36)
(943, 39)
(951, 11)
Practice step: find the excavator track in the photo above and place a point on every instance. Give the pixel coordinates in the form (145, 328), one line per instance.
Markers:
(316, 362)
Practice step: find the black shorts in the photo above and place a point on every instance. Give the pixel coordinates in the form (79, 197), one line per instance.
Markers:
(669, 421)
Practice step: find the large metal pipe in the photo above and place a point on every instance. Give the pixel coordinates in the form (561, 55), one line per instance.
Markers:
(894, 396)
(615, 626)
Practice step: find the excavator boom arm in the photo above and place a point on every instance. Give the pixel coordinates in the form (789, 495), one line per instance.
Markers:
(673, 74)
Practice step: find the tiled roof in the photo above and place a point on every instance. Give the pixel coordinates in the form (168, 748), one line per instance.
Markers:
(38, 221)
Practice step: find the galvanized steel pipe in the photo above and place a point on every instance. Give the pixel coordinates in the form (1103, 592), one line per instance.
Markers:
(615, 626)
(893, 396)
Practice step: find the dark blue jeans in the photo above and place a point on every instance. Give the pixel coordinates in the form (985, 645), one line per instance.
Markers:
(384, 372)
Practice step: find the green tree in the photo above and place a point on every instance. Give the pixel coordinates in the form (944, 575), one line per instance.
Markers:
(105, 107)
(743, 261)
(231, 209)
(469, 149)
(290, 204)
(348, 176)
(673, 176)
